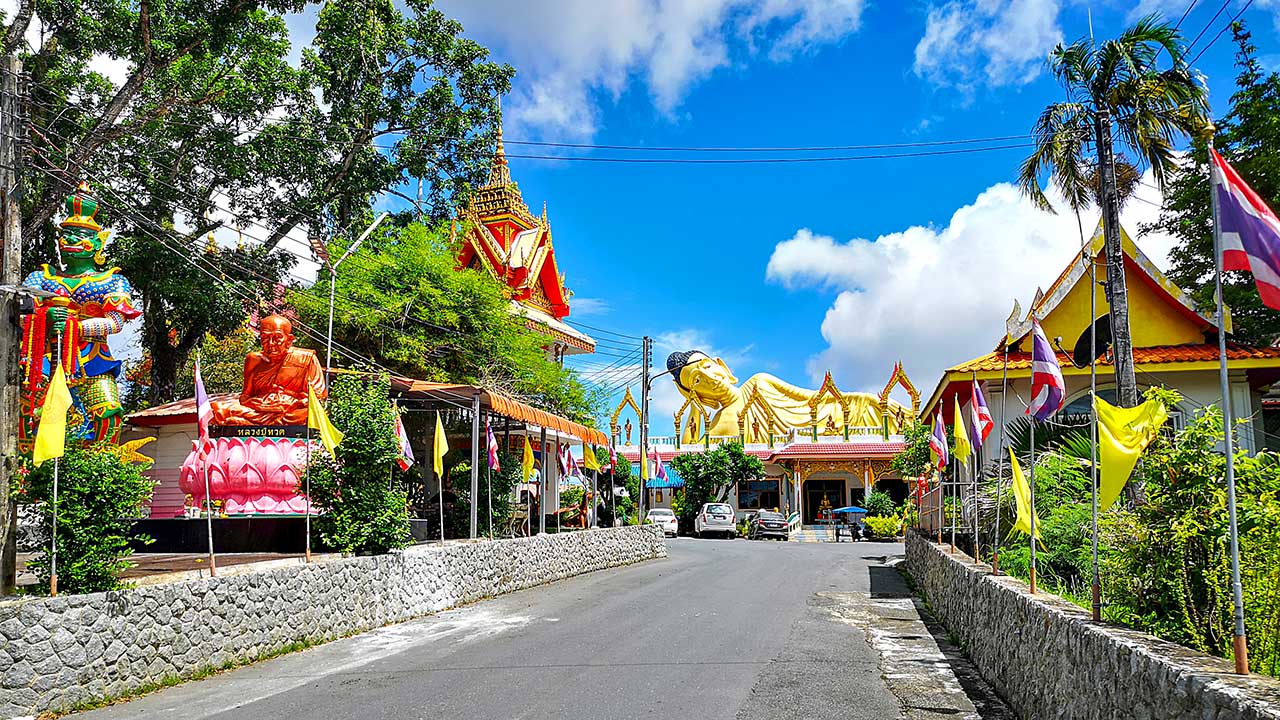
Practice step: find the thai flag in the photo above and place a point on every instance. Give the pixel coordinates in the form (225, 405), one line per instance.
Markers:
(938, 440)
(1248, 231)
(1047, 388)
(660, 471)
(204, 411)
(493, 447)
(405, 461)
(980, 422)
(613, 458)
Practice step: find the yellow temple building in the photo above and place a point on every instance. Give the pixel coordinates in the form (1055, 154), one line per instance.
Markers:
(1175, 345)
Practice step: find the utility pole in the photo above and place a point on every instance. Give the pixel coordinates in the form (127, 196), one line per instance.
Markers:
(646, 346)
(1117, 292)
(11, 161)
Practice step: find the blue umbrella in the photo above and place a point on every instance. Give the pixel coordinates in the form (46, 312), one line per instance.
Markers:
(850, 509)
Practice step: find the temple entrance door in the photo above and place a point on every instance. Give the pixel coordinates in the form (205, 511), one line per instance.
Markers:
(815, 491)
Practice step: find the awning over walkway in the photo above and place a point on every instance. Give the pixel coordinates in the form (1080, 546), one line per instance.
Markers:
(184, 411)
(497, 403)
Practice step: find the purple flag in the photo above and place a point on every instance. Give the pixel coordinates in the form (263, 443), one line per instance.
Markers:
(1047, 388)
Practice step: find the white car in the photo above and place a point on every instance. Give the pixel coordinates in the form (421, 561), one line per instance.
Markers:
(716, 518)
(664, 518)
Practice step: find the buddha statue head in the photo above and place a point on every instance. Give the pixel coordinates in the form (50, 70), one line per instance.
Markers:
(697, 373)
(275, 332)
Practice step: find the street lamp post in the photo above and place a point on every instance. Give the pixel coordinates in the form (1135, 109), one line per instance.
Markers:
(333, 285)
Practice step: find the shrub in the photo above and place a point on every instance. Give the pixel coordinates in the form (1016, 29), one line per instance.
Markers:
(363, 509)
(100, 495)
(879, 504)
(883, 527)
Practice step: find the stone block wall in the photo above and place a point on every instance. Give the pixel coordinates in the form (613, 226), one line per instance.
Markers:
(1048, 659)
(56, 653)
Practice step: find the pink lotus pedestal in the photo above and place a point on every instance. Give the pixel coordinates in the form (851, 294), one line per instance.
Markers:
(251, 475)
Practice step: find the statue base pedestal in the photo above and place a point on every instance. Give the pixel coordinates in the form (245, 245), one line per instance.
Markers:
(249, 472)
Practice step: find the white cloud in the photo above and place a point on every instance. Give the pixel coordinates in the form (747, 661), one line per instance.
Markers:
(588, 306)
(934, 297)
(972, 43)
(585, 48)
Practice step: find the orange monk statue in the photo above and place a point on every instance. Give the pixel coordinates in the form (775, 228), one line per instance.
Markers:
(275, 381)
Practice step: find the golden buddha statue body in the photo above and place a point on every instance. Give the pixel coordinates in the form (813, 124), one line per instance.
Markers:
(275, 381)
(765, 403)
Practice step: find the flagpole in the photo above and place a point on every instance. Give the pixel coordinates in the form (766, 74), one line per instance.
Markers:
(1239, 642)
(488, 483)
(53, 549)
(1032, 483)
(955, 473)
(976, 449)
(1004, 389)
(204, 466)
(307, 488)
(1093, 421)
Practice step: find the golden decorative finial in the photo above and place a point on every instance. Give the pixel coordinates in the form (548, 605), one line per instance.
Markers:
(499, 174)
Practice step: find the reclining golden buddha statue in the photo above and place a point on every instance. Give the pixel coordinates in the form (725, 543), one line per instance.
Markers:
(765, 404)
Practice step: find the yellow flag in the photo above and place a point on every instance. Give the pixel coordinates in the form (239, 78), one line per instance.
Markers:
(589, 460)
(526, 464)
(318, 420)
(644, 469)
(1123, 433)
(962, 449)
(441, 444)
(1022, 497)
(51, 436)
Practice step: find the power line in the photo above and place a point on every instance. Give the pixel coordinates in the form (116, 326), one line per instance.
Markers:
(1185, 13)
(768, 161)
(1230, 22)
(1205, 29)
(751, 149)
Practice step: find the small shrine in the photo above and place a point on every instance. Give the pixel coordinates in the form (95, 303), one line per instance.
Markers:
(502, 237)
(257, 444)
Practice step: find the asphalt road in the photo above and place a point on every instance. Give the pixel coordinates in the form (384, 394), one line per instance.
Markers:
(720, 629)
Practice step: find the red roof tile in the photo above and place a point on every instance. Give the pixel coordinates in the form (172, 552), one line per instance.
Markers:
(853, 449)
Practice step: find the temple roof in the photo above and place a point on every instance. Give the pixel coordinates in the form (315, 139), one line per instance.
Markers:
(502, 236)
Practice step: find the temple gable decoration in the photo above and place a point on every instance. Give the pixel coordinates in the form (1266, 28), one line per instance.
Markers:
(500, 235)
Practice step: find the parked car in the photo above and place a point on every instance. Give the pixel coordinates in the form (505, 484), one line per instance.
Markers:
(664, 518)
(716, 518)
(767, 524)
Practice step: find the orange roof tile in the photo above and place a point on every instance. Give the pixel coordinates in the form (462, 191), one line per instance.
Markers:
(1159, 355)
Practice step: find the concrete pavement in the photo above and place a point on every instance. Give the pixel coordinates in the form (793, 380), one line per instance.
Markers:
(720, 629)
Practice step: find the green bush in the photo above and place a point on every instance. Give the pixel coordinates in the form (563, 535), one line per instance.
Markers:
(883, 527)
(360, 494)
(880, 504)
(100, 495)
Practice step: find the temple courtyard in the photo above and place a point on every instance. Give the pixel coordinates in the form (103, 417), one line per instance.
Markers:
(719, 629)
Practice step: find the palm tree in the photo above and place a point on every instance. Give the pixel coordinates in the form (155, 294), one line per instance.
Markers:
(1118, 81)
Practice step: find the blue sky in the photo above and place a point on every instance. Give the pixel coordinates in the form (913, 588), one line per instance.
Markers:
(799, 268)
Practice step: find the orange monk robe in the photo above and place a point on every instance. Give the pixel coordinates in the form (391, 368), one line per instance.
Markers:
(274, 393)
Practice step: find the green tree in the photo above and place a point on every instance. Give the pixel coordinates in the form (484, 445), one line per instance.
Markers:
(709, 475)
(1117, 81)
(407, 307)
(100, 497)
(1249, 138)
(213, 127)
(498, 486)
(360, 493)
(404, 95)
(914, 459)
(879, 504)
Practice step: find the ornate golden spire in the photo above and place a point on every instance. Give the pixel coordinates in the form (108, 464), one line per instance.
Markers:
(499, 174)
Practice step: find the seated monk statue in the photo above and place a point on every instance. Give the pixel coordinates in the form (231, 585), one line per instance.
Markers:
(275, 381)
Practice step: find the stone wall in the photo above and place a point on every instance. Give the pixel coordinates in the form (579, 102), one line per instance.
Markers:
(1048, 659)
(57, 653)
